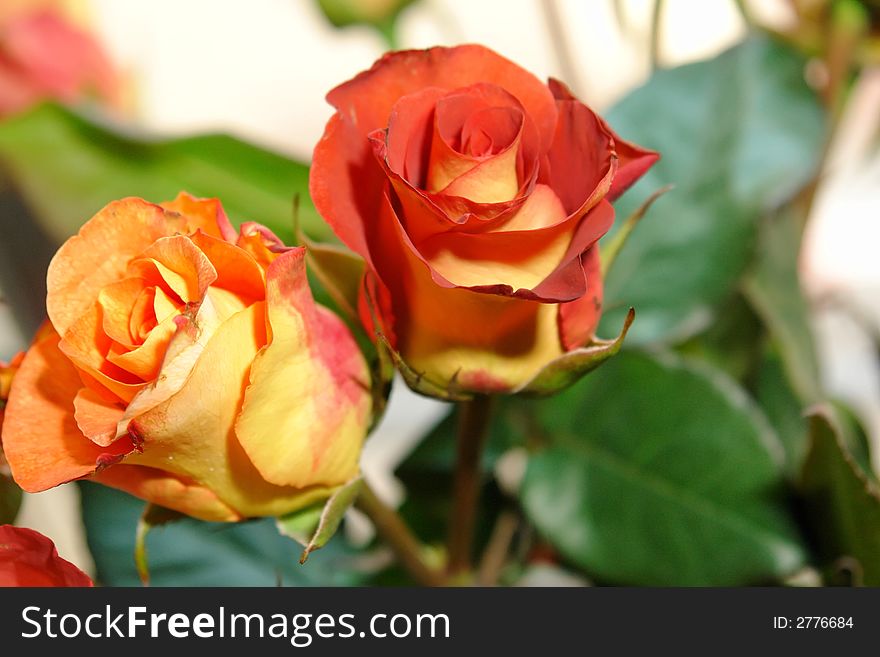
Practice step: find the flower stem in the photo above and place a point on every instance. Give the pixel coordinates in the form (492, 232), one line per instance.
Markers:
(473, 429)
(394, 531)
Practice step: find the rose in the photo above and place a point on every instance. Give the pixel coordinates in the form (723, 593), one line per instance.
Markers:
(476, 195)
(27, 558)
(188, 365)
(44, 56)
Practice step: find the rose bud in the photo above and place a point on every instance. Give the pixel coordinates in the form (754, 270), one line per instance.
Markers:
(27, 558)
(476, 195)
(44, 56)
(188, 365)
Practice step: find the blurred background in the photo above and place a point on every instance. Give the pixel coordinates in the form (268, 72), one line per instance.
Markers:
(259, 70)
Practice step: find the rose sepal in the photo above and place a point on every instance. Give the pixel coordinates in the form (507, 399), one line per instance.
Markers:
(569, 368)
(315, 525)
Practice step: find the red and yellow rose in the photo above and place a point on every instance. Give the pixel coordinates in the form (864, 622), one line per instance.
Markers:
(476, 195)
(187, 364)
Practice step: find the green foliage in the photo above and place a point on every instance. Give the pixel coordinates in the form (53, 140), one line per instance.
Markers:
(738, 134)
(842, 504)
(195, 553)
(10, 499)
(662, 473)
(68, 168)
(773, 288)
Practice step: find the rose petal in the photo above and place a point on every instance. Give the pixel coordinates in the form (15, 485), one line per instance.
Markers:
(86, 344)
(409, 134)
(237, 270)
(96, 417)
(634, 160)
(305, 411)
(578, 319)
(168, 490)
(580, 161)
(42, 443)
(522, 262)
(177, 263)
(117, 301)
(368, 98)
(191, 434)
(204, 214)
(346, 184)
(27, 558)
(99, 255)
(493, 342)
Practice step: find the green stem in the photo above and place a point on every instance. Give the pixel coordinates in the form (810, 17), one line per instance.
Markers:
(394, 531)
(473, 429)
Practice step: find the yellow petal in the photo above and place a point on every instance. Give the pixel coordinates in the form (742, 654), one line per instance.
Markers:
(521, 261)
(180, 264)
(191, 434)
(305, 411)
(168, 490)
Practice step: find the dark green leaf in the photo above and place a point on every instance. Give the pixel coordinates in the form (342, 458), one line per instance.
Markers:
(68, 168)
(737, 134)
(733, 342)
(427, 474)
(10, 499)
(662, 473)
(773, 288)
(842, 503)
(777, 399)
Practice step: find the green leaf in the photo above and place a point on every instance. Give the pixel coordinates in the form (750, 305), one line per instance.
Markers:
(783, 409)
(738, 134)
(196, 553)
(615, 243)
(10, 499)
(733, 342)
(662, 473)
(68, 168)
(773, 288)
(314, 526)
(842, 503)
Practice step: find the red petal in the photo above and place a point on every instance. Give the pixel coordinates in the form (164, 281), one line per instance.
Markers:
(634, 160)
(367, 99)
(27, 558)
(578, 319)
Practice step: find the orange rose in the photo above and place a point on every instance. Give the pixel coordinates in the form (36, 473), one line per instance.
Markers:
(476, 194)
(27, 558)
(188, 365)
(45, 56)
